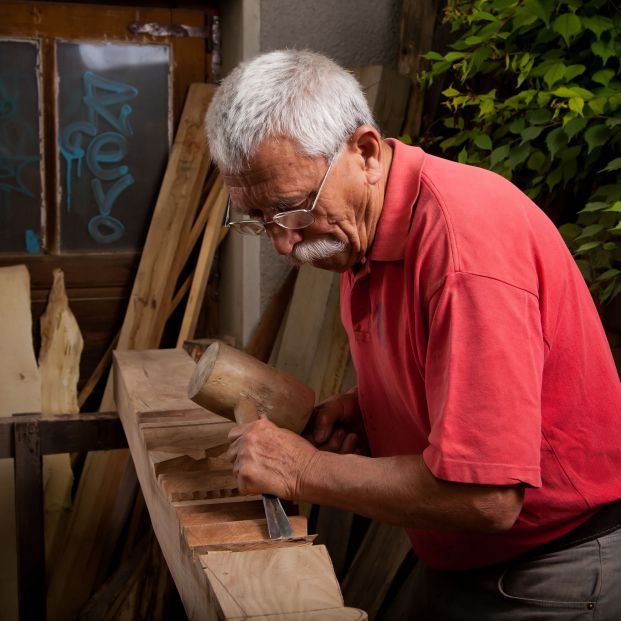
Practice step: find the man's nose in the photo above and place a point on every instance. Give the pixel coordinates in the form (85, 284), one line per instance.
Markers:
(283, 239)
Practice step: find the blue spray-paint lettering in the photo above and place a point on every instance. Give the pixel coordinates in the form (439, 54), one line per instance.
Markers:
(33, 244)
(71, 149)
(99, 104)
(17, 141)
(102, 99)
(97, 155)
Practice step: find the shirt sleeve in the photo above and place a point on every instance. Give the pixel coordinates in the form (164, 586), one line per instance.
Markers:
(483, 374)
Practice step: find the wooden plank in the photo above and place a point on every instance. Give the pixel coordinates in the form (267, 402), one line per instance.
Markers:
(251, 534)
(20, 391)
(211, 239)
(379, 557)
(228, 512)
(59, 365)
(332, 352)
(418, 21)
(266, 332)
(387, 92)
(300, 579)
(30, 522)
(304, 322)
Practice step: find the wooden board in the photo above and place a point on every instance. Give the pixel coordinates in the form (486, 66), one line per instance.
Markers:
(383, 550)
(292, 575)
(20, 391)
(59, 365)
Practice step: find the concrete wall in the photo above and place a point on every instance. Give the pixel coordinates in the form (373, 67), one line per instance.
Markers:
(353, 33)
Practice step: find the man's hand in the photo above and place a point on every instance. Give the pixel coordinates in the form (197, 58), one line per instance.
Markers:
(268, 459)
(336, 425)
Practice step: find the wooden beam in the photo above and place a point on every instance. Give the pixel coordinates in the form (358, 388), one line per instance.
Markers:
(301, 582)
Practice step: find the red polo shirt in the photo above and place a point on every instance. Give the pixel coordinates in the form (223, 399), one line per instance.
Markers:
(477, 344)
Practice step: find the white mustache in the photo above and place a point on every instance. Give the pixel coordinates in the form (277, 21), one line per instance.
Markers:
(308, 252)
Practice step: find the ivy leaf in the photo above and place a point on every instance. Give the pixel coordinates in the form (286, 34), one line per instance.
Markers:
(536, 161)
(554, 74)
(555, 140)
(574, 126)
(483, 141)
(567, 25)
(588, 246)
(597, 206)
(519, 155)
(530, 133)
(433, 56)
(598, 105)
(570, 230)
(462, 158)
(554, 178)
(613, 122)
(574, 91)
(616, 207)
(591, 231)
(451, 57)
(486, 107)
(450, 92)
(539, 116)
(603, 76)
(612, 165)
(576, 104)
(597, 24)
(596, 136)
(608, 192)
(499, 154)
(608, 274)
(536, 8)
(603, 49)
(574, 71)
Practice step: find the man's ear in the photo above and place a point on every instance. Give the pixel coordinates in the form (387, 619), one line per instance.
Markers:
(367, 144)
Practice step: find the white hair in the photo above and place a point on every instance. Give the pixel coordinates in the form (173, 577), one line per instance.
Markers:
(301, 95)
(310, 251)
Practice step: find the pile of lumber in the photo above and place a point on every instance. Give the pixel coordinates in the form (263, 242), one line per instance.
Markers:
(185, 230)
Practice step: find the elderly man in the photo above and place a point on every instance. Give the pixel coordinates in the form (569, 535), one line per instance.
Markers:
(486, 388)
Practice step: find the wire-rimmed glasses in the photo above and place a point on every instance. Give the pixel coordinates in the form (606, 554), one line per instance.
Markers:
(292, 219)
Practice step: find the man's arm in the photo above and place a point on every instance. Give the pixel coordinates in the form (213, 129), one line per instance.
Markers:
(399, 490)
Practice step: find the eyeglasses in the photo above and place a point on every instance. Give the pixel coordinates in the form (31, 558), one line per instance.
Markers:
(292, 220)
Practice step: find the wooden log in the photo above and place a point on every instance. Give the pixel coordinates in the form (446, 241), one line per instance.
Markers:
(224, 376)
(20, 391)
(89, 528)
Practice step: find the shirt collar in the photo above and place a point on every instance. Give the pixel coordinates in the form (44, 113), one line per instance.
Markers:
(400, 195)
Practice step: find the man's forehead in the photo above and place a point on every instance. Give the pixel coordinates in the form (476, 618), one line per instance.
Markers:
(276, 166)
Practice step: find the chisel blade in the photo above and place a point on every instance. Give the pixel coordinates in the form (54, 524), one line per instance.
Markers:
(278, 525)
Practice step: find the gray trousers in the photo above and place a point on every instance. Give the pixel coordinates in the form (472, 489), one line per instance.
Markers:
(578, 583)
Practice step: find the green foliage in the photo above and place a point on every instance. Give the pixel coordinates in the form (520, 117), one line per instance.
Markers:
(533, 92)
